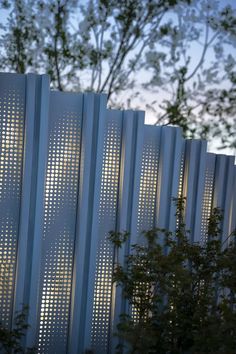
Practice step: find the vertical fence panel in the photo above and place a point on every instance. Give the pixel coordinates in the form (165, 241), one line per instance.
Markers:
(59, 217)
(229, 191)
(193, 182)
(127, 190)
(104, 220)
(93, 107)
(29, 178)
(207, 196)
(138, 167)
(39, 166)
(12, 112)
(177, 175)
(145, 218)
(232, 225)
(98, 158)
(223, 190)
(168, 175)
(201, 170)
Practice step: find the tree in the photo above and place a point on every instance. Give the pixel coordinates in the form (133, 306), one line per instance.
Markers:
(196, 66)
(142, 48)
(11, 340)
(181, 296)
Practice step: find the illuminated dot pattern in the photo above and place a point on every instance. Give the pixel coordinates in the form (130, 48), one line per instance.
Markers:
(147, 192)
(207, 204)
(59, 232)
(148, 185)
(181, 177)
(107, 222)
(180, 188)
(11, 156)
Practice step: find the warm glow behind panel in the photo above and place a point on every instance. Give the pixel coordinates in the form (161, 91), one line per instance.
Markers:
(148, 179)
(59, 224)
(207, 196)
(107, 222)
(11, 150)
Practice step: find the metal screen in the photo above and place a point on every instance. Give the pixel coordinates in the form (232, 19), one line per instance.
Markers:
(71, 171)
(12, 112)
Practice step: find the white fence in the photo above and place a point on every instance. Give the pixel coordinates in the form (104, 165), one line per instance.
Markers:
(71, 171)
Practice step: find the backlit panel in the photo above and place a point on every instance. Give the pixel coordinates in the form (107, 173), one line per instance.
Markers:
(11, 157)
(207, 203)
(181, 177)
(148, 181)
(59, 227)
(107, 222)
(180, 189)
(148, 188)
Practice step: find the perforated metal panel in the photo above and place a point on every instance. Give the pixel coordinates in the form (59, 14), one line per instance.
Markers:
(223, 184)
(168, 177)
(11, 150)
(232, 223)
(148, 186)
(208, 195)
(107, 221)
(70, 172)
(148, 179)
(61, 186)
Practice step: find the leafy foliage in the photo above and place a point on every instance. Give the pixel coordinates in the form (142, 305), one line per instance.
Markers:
(11, 341)
(181, 296)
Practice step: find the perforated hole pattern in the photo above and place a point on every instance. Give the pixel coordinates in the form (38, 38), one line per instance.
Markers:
(207, 203)
(59, 231)
(11, 145)
(148, 191)
(148, 185)
(107, 222)
(180, 187)
(181, 175)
